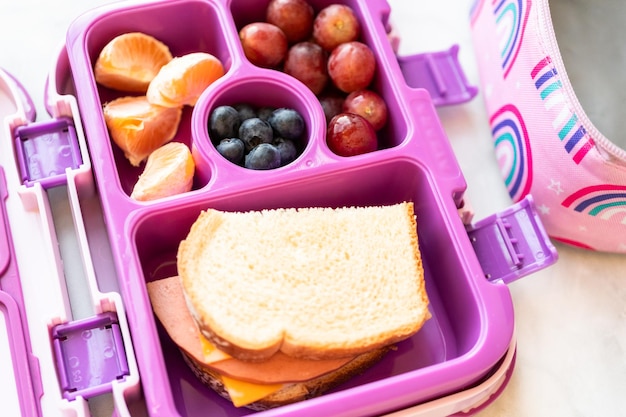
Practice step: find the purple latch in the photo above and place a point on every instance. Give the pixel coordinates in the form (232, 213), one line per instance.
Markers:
(44, 151)
(90, 355)
(513, 243)
(440, 73)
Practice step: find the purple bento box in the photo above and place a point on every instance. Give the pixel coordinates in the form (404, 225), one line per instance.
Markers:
(472, 324)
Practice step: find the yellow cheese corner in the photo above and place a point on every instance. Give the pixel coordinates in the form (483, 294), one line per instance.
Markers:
(243, 393)
(211, 353)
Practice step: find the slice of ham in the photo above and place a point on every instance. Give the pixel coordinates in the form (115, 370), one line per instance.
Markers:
(168, 303)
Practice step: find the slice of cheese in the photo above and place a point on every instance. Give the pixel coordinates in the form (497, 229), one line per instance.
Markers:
(243, 393)
(211, 353)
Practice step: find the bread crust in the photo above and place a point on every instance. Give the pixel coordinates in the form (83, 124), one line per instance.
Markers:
(293, 392)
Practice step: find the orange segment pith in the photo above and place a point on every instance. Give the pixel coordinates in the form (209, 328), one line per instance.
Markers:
(183, 79)
(130, 61)
(139, 127)
(169, 171)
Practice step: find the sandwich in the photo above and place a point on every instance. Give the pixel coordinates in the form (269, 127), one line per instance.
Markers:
(275, 306)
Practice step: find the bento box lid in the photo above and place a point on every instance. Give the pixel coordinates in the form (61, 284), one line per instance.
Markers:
(15, 344)
(43, 349)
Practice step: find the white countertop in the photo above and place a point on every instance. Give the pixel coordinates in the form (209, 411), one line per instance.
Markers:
(570, 319)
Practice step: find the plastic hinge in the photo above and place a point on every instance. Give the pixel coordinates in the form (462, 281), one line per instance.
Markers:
(44, 150)
(513, 243)
(90, 355)
(440, 73)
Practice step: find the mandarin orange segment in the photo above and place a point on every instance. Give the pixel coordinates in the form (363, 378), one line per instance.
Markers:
(183, 79)
(130, 61)
(139, 127)
(169, 171)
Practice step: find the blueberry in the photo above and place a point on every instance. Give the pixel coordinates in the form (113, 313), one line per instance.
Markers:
(263, 156)
(287, 123)
(232, 149)
(254, 132)
(265, 112)
(287, 149)
(223, 123)
(246, 111)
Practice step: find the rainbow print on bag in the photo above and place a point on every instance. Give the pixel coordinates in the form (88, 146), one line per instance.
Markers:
(511, 18)
(605, 201)
(513, 151)
(545, 144)
(570, 130)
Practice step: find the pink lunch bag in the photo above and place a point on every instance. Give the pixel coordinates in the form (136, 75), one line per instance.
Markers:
(544, 142)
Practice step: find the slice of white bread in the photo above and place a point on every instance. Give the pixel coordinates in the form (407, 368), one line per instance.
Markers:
(314, 283)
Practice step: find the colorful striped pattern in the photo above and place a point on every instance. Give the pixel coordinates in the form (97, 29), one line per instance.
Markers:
(606, 201)
(513, 150)
(511, 18)
(571, 132)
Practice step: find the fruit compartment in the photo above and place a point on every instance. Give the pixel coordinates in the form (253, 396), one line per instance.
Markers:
(192, 30)
(462, 339)
(388, 78)
(258, 88)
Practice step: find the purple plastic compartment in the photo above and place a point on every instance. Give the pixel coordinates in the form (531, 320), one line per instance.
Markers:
(472, 323)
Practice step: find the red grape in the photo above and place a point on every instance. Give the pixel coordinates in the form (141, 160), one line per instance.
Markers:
(334, 25)
(294, 17)
(349, 134)
(263, 44)
(369, 105)
(307, 62)
(351, 66)
(332, 104)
